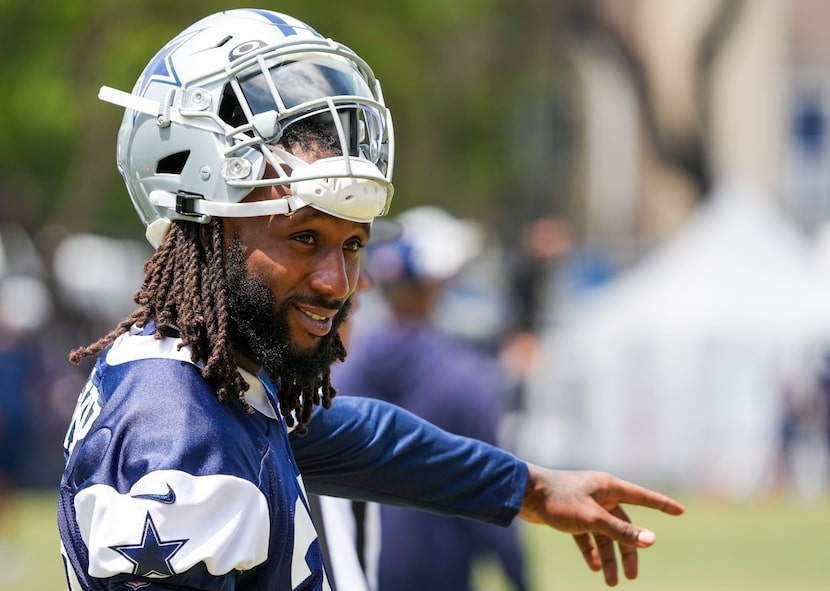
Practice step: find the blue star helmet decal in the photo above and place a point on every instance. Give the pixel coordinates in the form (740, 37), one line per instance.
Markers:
(161, 69)
(151, 556)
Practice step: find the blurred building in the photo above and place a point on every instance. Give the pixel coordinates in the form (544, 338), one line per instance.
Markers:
(703, 173)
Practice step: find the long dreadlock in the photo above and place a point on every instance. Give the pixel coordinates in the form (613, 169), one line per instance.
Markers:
(184, 290)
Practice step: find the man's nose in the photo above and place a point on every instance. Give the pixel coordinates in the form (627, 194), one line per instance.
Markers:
(332, 277)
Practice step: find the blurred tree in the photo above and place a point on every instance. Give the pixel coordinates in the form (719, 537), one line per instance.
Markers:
(685, 147)
(471, 83)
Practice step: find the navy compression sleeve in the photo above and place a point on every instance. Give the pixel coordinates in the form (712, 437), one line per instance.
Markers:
(371, 450)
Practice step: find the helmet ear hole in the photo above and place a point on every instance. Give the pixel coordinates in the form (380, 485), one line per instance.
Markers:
(173, 164)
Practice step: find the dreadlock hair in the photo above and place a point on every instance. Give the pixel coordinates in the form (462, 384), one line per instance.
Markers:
(300, 399)
(184, 290)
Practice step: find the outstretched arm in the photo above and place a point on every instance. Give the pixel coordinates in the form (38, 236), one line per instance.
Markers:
(589, 506)
(371, 450)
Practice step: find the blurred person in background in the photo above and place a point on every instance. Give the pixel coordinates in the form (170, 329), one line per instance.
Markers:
(348, 530)
(411, 362)
(823, 389)
(24, 309)
(803, 429)
(16, 362)
(542, 242)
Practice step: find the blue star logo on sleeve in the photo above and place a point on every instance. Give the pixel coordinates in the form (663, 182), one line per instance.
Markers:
(151, 557)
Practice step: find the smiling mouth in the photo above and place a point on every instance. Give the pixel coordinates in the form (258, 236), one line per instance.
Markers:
(316, 324)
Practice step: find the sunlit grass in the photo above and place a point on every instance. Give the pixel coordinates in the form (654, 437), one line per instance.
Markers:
(717, 545)
(757, 545)
(33, 563)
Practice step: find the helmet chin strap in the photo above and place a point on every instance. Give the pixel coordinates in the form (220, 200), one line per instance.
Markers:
(201, 211)
(344, 187)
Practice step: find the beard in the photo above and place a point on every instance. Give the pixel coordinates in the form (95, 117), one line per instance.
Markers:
(259, 328)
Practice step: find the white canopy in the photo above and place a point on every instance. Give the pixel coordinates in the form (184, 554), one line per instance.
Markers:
(674, 373)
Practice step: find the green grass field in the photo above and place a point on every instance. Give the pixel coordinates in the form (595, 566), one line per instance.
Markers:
(760, 545)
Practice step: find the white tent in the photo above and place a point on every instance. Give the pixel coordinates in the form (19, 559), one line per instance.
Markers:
(674, 373)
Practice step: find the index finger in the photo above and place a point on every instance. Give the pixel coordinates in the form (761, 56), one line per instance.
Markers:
(634, 494)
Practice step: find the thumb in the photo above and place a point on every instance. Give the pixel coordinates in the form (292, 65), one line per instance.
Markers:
(645, 538)
(620, 528)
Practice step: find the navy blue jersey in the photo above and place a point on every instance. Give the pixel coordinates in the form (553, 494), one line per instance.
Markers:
(166, 487)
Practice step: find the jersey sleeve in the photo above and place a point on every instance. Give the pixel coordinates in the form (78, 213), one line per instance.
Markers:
(171, 521)
(371, 450)
(151, 488)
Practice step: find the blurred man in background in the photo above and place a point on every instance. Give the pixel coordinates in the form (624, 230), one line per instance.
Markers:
(410, 361)
(348, 530)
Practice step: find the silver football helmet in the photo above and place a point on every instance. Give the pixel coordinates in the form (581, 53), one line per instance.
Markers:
(209, 110)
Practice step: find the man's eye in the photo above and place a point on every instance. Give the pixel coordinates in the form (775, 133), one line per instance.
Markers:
(305, 238)
(353, 245)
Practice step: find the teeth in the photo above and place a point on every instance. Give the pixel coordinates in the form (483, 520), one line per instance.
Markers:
(314, 316)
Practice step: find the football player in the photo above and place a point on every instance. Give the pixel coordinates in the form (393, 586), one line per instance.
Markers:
(257, 153)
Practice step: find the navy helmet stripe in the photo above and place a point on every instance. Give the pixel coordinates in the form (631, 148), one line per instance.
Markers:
(284, 27)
